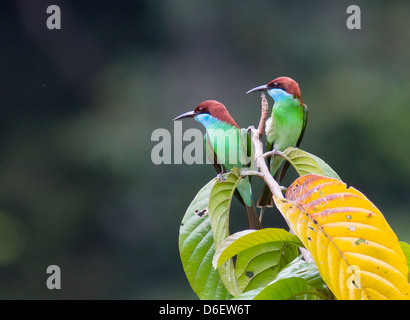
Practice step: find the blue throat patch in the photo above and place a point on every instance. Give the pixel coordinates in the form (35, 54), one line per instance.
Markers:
(279, 94)
(210, 122)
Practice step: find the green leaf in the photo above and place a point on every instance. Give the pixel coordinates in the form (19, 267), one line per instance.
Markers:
(246, 239)
(261, 255)
(246, 141)
(281, 289)
(248, 295)
(298, 280)
(219, 205)
(307, 163)
(196, 246)
(284, 289)
(406, 250)
(305, 270)
(257, 266)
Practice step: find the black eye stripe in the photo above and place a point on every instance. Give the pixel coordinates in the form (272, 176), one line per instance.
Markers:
(277, 85)
(202, 110)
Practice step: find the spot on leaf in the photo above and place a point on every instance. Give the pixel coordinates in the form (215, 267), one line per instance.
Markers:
(249, 274)
(201, 213)
(295, 187)
(355, 284)
(359, 241)
(352, 228)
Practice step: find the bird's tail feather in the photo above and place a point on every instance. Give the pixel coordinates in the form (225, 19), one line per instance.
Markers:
(252, 216)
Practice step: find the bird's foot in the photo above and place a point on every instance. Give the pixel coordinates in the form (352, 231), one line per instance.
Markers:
(220, 177)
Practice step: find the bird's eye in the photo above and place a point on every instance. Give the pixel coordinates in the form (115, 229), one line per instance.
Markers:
(275, 84)
(200, 109)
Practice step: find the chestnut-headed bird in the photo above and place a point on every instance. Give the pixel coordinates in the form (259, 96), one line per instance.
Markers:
(229, 146)
(285, 127)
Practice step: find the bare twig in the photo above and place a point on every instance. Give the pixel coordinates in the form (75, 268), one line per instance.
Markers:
(263, 168)
(246, 172)
(264, 115)
(273, 153)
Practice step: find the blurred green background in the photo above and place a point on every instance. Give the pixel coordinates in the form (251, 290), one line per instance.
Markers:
(78, 107)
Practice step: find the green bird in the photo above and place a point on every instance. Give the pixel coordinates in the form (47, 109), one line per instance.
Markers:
(285, 127)
(229, 146)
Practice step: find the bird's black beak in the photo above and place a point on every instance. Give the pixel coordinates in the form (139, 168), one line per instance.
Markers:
(260, 88)
(189, 114)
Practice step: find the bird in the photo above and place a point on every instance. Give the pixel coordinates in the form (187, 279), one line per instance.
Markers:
(284, 128)
(217, 121)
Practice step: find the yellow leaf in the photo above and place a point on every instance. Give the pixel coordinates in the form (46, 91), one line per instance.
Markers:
(357, 253)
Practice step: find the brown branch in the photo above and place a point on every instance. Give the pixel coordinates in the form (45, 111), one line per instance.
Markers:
(264, 115)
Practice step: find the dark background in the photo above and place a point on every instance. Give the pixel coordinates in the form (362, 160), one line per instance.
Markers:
(78, 105)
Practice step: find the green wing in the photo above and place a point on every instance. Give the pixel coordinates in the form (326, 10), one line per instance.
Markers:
(302, 133)
(246, 141)
(211, 155)
(305, 120)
